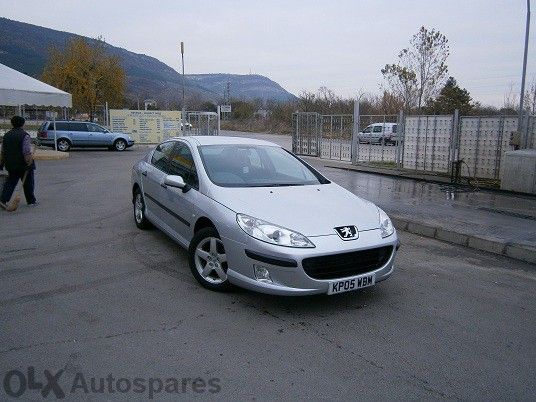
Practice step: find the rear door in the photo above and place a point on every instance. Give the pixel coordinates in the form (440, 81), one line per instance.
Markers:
(153, 177)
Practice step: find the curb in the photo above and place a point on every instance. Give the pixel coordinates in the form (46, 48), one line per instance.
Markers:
(46, 155)
(489, 244)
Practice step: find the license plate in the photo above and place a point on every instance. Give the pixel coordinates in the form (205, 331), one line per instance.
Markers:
(346, 285)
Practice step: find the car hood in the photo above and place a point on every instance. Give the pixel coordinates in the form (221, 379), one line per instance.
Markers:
(310, 210)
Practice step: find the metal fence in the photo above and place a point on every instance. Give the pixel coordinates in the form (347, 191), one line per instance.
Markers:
(307, 133)
(336, 137)
(202, 123)
(475, 144)
(378, 140)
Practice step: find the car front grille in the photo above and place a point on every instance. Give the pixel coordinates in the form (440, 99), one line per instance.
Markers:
(347, 264)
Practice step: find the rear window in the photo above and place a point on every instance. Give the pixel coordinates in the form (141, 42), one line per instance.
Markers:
(394, 128)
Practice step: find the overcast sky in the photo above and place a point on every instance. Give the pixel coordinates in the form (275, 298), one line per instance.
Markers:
(305, 44)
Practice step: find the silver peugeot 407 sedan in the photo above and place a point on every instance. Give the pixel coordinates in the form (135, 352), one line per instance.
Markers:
(254, 215)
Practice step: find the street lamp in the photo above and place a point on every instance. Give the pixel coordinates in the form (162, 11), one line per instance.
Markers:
(183, 112)
(524, 141)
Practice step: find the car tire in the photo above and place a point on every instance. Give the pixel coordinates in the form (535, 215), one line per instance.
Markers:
(208, 266)
(120, 145)
(140, 219)
(63, 145)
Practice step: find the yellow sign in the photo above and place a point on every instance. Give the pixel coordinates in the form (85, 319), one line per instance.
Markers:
(146, 126)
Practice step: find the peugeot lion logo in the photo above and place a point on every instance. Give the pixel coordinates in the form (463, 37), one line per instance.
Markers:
(347, 232)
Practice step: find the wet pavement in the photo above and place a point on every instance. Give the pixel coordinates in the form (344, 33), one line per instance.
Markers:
(82, 290)
(495, 215)
(502, 216)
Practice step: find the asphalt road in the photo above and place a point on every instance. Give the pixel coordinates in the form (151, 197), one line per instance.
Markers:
(83, 290)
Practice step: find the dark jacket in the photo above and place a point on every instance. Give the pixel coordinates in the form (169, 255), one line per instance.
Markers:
(12, 153)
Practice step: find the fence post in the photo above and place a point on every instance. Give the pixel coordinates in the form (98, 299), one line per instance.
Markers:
(355, 132)
(401, 133)
(454, 141)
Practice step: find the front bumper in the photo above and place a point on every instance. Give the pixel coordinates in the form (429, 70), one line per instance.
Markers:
(290, 279)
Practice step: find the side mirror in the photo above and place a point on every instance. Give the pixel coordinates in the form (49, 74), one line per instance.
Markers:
(174, 181)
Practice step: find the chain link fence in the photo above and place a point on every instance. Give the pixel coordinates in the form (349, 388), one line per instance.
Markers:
(469, 146)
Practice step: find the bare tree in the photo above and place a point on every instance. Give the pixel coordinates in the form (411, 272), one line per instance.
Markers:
(530, 97)
(510, 101)
(421, 68)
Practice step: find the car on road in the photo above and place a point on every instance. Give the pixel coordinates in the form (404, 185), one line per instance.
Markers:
(70, 133)
(187, 125)
(254, 215)
(379, 133)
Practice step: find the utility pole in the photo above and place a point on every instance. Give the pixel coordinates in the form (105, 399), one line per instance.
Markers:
(524, 138)
(183, 113)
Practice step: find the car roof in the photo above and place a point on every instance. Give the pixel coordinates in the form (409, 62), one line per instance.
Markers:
(381, 124)
(224, 140)
(69, 121)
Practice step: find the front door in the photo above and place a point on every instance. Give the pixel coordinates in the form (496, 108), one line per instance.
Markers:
(181, 204)
(98, 136)
(79, 133)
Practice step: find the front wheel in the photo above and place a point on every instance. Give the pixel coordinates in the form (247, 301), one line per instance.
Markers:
(120, 145)
(208, 261)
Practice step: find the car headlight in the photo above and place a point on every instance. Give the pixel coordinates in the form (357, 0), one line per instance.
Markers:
(270, 233)
(386, 226)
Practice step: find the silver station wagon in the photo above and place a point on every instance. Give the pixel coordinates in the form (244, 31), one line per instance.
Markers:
(82, 134)
(254, 215)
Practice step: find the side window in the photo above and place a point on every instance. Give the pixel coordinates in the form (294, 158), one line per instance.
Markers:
(182, 164)
(377, 129)
(59, 126)
(94, 128)
(78, 126)
(394, 128)
(162, 156)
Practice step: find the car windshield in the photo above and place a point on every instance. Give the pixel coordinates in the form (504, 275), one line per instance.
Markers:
(256, 166)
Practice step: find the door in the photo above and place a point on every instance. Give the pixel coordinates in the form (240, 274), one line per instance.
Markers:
(180, 204)
(365, 134)
(79, 134)
(98, 136)
(152, 179)
(376, 134)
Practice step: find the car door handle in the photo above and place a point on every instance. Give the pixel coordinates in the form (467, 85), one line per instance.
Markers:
(144, 173)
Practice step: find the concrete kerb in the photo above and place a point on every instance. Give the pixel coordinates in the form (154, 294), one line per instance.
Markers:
(49, 155)
(491, 245)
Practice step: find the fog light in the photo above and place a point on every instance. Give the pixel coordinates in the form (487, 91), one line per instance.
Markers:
(262, 274)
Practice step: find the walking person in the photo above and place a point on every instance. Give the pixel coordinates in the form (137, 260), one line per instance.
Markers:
(17, 158)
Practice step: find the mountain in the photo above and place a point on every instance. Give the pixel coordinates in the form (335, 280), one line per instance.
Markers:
(24, 47)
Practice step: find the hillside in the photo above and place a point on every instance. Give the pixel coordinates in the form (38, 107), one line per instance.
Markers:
(24, 47)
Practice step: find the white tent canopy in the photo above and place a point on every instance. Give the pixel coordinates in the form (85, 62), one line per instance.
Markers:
(19, 89)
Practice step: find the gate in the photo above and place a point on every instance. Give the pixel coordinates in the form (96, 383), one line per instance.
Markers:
(428, 142)
(378, 141)
(307, 133)
(336, 141)
(202, 123)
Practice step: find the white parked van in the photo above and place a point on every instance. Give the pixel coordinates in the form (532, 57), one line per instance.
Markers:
(379, 133)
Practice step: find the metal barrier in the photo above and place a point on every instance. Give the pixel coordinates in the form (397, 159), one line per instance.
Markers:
(307, 133)
(336, 139)
(378, 140)
(202, 123)
(474, 146)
